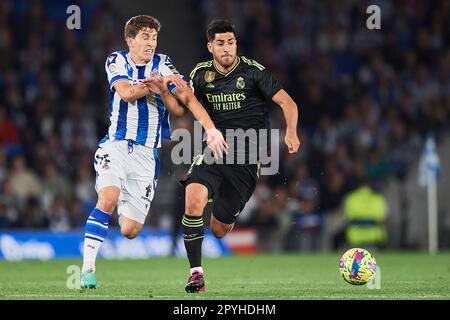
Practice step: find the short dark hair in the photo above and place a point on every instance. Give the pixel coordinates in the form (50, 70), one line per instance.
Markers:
(219, 26)
(137, 23)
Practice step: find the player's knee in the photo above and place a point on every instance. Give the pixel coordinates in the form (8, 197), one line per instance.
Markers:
(106, 204)
(129, 232)
(107, 199)
(130, 235)
(219, 229)
(130, 229)
(219, 232)
(195, 204)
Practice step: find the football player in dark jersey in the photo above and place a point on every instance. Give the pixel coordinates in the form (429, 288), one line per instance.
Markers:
(236, 92)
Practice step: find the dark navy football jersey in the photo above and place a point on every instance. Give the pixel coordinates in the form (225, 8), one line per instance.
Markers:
(237, 99)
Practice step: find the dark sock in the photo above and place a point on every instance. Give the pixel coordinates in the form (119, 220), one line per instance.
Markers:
(193, 230)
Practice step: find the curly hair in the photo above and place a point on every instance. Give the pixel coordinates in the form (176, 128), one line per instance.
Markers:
(219, 26)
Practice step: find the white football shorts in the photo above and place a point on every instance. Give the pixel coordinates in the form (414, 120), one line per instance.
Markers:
(131, 167)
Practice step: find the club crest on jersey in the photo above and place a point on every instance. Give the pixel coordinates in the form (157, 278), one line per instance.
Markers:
(240, 83)
(154, 73)
(209, 77)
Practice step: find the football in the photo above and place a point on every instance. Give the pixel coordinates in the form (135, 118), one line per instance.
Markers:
(357, 266)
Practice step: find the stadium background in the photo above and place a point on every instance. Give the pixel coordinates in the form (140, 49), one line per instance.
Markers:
(367, 99)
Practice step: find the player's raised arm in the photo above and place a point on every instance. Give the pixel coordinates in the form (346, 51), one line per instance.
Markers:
(215, 139)
(290, 112)
(186, 96)
(181, 94)
(118, 79)
(130, 93)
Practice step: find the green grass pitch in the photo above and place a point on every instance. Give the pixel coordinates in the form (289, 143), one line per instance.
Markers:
(301, 276)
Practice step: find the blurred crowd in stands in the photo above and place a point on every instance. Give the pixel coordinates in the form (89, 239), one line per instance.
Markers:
(366, 99)
(53, 110)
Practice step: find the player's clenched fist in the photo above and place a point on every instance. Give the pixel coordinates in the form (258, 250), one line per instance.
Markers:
(292, 142)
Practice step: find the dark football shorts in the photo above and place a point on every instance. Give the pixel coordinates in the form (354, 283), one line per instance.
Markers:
(229, 185)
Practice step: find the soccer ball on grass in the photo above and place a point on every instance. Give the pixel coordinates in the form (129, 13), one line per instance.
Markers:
(357, 266)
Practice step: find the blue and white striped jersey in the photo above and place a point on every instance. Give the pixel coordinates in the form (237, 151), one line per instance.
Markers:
(146, 120)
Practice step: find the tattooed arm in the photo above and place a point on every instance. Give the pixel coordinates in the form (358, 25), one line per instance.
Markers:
(130, 93)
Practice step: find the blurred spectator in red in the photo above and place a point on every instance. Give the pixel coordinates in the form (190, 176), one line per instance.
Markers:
(9, 133)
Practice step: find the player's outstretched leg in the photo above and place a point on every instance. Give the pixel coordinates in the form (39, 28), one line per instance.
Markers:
(193, 231)
(95, 233)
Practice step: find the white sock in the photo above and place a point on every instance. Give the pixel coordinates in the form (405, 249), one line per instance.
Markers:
(90, 251)
(199, 269)
(95, 234)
